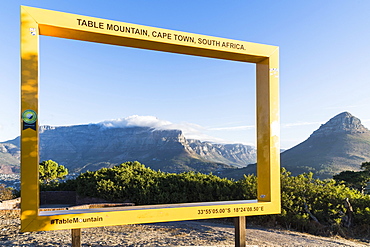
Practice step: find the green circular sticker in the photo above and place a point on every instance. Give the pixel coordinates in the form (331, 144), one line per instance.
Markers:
(29, 116)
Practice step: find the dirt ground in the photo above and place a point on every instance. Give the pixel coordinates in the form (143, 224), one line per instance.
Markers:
(185, 233)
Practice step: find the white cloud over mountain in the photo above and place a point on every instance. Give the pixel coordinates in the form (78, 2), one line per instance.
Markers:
(243, 127)
(135, 120)
(190, 131)
(195, 131)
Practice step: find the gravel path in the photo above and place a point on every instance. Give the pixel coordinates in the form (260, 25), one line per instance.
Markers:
(185, 233)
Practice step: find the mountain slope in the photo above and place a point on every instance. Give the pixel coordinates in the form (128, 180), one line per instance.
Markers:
(9, 158)
(342, 143)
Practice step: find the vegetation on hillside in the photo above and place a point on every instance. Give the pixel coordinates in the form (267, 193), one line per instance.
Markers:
(308, 204)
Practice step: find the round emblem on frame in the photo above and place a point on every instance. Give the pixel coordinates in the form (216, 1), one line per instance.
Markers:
(29, 116)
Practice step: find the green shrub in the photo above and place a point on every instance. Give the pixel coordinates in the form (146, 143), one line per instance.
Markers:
(132, 181)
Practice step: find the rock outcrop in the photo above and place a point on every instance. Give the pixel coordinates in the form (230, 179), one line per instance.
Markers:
(341, 123)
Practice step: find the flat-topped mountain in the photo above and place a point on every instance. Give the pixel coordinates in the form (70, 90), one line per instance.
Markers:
(93, 146)
(342, 143)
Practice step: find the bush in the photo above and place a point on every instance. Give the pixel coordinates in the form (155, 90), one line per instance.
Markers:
(308, 204)
(6, 193)
(317, 206)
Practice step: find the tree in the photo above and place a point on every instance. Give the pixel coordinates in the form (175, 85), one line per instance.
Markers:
(355, 180)
(365, 166)
(51, 171)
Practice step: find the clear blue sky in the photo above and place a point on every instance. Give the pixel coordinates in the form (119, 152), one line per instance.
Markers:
(324, 67)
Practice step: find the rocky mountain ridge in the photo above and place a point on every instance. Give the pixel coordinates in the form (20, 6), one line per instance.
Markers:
(232, 154)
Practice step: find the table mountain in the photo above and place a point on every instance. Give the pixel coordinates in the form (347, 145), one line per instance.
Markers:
(93, 146)
(342, 143)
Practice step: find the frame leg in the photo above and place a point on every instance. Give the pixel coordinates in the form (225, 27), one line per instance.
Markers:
(240, 235)
(76, 237)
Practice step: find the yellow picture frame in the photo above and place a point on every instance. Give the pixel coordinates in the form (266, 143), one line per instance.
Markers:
(36, 22)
